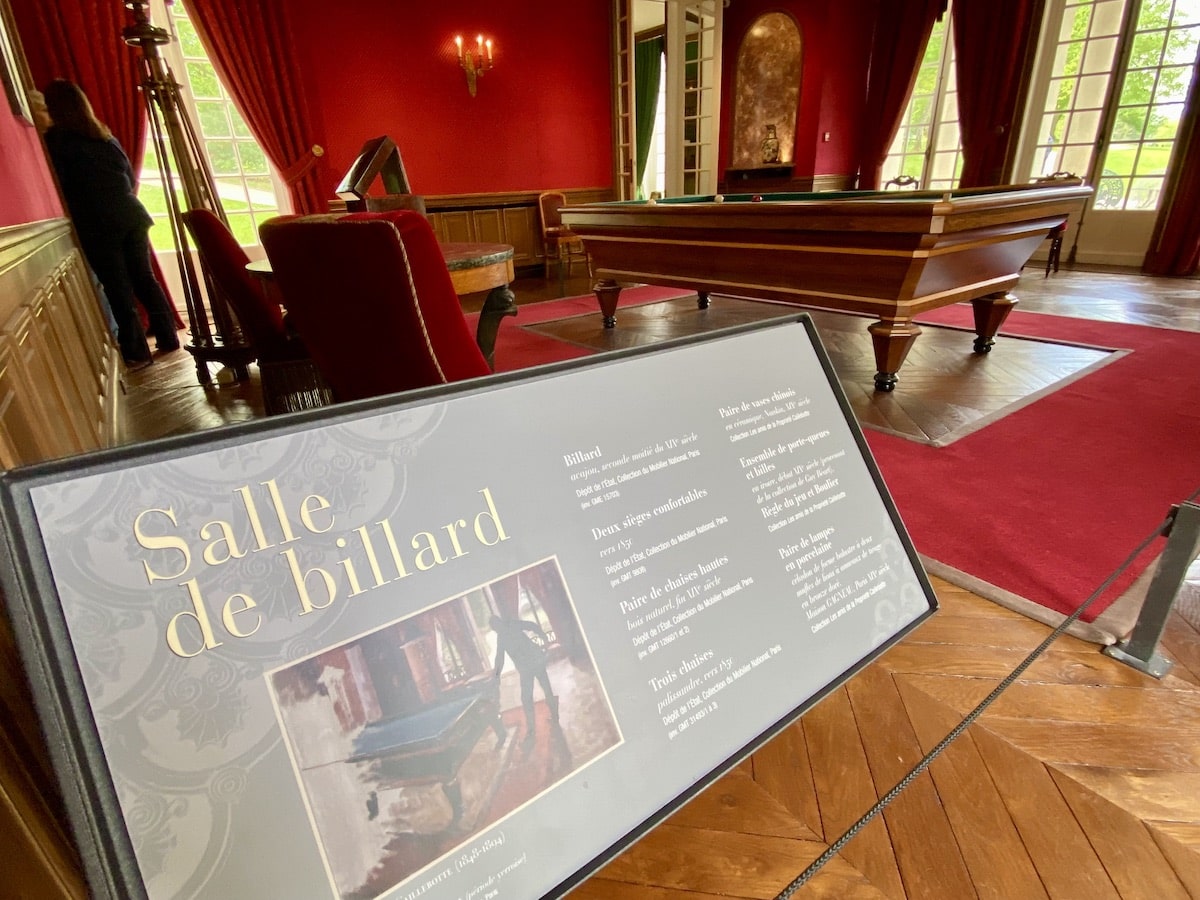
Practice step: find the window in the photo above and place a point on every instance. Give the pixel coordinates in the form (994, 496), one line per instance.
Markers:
(248, 186)
(1149, 105)
(1116, 95)
(928, 145)
(531, 610)
(655, 179)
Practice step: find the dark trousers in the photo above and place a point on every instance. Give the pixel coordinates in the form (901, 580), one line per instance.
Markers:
(543, 678)
(124, 268)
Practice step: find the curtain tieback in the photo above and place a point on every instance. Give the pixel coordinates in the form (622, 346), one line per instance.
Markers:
(303, 166)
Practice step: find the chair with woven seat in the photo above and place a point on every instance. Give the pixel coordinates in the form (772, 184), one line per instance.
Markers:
(290, 379)
(1058, 232)
(561, 244)
(372, 298)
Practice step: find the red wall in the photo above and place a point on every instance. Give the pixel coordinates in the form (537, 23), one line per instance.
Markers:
(27, 190)
(541, 118)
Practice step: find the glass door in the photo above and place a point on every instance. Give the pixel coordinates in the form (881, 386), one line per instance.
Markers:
(693, 95)
(625, 132)
(928, 145)
(1107, 103)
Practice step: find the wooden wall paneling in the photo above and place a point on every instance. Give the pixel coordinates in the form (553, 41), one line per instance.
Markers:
(503, 218)
(55, 363)
(59, 380)
(31, 357)
(489, 226)
(454, 226)
(88, 354)
(61, 336)
(23, 436)
(73, 279)
(104, 358)
(524, 232)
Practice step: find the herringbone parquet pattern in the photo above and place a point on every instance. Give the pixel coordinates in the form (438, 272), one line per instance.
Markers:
(1081, 781)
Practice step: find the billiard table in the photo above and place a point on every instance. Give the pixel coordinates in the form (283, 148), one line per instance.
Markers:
(887, 254)
(430, 745)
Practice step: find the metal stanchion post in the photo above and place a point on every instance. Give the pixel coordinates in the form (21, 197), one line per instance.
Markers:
(1140, 648)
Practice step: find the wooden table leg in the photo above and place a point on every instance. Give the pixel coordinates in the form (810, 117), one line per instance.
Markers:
(990, 313)
(608, 292)
(500, 302)
(892, 340)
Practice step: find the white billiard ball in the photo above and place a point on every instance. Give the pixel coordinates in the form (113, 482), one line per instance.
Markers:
(720, 198)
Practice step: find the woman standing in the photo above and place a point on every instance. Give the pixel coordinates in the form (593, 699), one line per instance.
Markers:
(113, 225)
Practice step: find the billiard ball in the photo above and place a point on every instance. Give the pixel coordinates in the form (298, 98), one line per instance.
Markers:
(757, 198)
(652, 202)
(720, 198)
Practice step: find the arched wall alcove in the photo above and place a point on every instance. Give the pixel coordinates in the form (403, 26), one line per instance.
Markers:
(766, 90)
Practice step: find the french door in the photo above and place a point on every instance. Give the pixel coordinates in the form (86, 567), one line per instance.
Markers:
(1107, 102)
(693, 95)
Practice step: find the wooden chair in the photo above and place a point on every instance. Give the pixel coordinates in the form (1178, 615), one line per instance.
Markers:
(1058, 232)
(291, 380)
(561, 244)
(371, 297)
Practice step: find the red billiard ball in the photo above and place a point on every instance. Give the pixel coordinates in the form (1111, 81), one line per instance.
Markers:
(757, 198)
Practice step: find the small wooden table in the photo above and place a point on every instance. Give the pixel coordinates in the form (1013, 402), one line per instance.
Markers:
(473, 268)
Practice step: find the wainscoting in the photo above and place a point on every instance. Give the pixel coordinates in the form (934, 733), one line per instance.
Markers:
(59, 368)
(60, 393)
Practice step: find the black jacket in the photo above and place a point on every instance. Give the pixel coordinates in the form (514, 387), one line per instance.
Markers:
(97, 182)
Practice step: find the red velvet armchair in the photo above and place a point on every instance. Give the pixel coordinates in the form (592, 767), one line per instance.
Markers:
(290, 379)
(371, 297)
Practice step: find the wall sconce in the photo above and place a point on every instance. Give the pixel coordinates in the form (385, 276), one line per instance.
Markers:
(474, 62)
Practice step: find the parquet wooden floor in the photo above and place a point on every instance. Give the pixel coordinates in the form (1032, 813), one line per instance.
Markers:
(945, 389)
(1081, 782)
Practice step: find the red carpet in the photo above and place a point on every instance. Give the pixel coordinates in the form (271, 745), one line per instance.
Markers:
(517, 348)
(1046, 502)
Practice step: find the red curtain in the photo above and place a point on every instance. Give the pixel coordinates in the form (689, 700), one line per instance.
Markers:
(1175, 245)
(995, 55)
(506, 593)
(250, 44)
(901, 34)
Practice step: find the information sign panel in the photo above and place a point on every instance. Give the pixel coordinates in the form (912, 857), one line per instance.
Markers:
(460, 643)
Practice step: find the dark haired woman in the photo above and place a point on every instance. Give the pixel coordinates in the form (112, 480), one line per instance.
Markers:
(113, 225)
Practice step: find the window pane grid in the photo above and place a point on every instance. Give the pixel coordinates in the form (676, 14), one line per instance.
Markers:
(1078, 88)
(1150, 106)
(927, 143)
(245, 181)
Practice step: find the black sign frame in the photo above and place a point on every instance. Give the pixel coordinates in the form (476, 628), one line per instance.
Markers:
(62, 701)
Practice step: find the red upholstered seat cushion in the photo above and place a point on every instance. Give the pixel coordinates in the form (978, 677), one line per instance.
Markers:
(260, 317)
(371, 296)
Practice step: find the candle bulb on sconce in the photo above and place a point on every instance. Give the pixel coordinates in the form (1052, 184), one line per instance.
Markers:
(474, 62)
